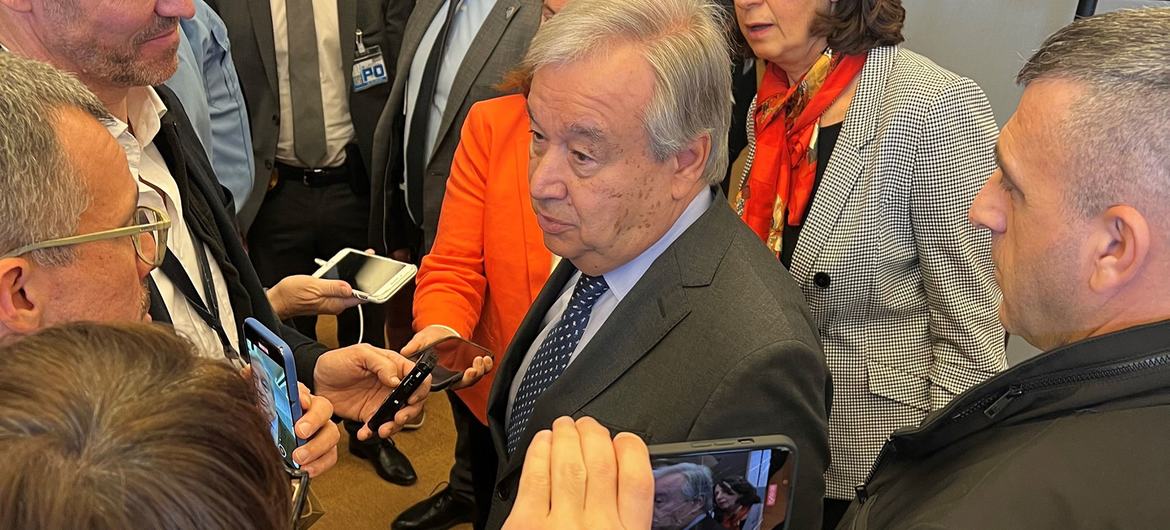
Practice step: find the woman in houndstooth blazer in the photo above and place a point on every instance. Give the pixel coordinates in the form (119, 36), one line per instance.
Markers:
(863, 161)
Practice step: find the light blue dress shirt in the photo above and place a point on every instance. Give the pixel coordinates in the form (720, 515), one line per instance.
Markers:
(207, 86)
(620, 280)
(464, 27)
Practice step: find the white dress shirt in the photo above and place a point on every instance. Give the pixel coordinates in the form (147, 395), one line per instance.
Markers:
(158, 189)
(464, 27)
(620, 280)
(335, 84)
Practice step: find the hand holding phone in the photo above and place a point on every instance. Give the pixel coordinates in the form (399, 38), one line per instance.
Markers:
(274, 373)
(454, 356)
(401, 394)
(373, 278)
(749, 482)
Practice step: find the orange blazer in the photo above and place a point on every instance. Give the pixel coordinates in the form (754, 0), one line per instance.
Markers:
(489, 261)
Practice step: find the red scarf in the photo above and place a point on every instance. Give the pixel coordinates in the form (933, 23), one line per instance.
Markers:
(779, 188)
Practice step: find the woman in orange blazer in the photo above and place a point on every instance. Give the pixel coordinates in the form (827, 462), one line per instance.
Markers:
(486, 267)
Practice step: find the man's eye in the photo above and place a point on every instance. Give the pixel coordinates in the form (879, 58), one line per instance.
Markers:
(580, 157)
(536, 136)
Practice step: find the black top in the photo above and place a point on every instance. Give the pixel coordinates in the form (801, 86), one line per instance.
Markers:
(826, 141)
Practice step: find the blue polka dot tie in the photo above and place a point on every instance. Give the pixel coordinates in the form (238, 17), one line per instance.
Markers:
(554, 353)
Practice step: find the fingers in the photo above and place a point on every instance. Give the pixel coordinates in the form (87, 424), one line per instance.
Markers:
(320, 450)
(532, 497)
(635, 482)
(601, 466)
(336, 289)
(567, 470)
(322, 464)
(413, 346)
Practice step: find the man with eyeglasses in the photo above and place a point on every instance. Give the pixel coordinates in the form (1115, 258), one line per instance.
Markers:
(208, 287)
(74, 243)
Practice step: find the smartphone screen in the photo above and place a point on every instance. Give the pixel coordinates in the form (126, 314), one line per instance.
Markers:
(453, 355)
(272, 389)
(364, 272)
(745, 489)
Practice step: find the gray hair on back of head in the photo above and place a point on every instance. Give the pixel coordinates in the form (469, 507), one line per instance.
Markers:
(685, 43)
(41, 195)
(697, 482)
(1118, 134)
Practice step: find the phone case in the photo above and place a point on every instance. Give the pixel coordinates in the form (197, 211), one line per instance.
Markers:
(387, 291)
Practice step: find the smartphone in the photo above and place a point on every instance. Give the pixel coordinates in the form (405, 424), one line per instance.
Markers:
(742, 483)
(399, 397)
(274, 372)
(453, 355)
(373, 278)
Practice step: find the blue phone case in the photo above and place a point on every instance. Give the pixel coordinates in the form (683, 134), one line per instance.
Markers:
(255, 331)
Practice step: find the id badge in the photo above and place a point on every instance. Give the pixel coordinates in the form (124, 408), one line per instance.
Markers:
(369, 69)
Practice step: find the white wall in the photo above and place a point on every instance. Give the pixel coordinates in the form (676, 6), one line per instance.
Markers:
(988, 41)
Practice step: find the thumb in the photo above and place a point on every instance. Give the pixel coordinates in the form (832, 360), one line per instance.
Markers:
(336, 289)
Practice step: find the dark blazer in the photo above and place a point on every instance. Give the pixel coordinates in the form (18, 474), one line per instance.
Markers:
(249, 24)
(1073, 438)
(497, 49)
(206, 209)
(712, 342)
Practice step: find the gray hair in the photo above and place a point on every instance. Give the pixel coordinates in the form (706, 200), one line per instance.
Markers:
(697, 481)
(41, 195)
(683, 40)
(1118, 133)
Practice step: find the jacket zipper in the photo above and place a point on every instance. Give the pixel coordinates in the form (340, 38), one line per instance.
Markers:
(993, 405)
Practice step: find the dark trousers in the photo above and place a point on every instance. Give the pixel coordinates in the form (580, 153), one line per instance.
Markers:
(297, 223)
(474, 474)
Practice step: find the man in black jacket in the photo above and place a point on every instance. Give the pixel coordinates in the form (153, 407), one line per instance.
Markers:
(1079, 211)
(206, 286)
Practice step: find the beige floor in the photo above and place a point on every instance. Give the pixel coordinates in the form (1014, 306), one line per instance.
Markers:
(355, 497)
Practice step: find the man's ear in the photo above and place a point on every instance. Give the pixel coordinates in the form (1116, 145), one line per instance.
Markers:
(19, 313)
(690, 162)
(1120, 243)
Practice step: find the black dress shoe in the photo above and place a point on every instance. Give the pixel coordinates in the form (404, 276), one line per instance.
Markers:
(389, 462)
(437, 512)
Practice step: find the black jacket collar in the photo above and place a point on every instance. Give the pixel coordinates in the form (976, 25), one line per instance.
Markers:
(1132, 364)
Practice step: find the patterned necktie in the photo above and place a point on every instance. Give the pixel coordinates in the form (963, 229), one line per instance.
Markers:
(554, 353)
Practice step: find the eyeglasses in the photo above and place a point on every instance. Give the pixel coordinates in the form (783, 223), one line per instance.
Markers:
(148, 223)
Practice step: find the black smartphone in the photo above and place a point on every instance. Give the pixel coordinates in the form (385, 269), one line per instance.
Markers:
(453, 356)
(399, 397)
(744, 483)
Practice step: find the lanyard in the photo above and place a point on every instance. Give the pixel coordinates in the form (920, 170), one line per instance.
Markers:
(209, 311)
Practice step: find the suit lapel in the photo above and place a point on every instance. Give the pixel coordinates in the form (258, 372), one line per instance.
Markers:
(656, 304)
(347, 26)
(420, 19)
(521, 341)
(846, 164)
(477, 55)
(262, 28)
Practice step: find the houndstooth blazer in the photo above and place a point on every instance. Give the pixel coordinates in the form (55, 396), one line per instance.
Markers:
(900, 285)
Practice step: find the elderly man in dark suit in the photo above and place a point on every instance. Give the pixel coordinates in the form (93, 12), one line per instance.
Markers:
(652, 323)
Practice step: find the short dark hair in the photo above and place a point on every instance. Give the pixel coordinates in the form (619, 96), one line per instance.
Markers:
(1119, 59)
(745, 492)
(857, 26)
(123, 426)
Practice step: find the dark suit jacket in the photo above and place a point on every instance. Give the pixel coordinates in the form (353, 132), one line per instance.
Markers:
(497, 49)
(206, 209)
(249, 24)
(713, 341)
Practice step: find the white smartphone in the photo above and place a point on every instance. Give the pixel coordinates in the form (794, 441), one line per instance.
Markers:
(373, 278)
